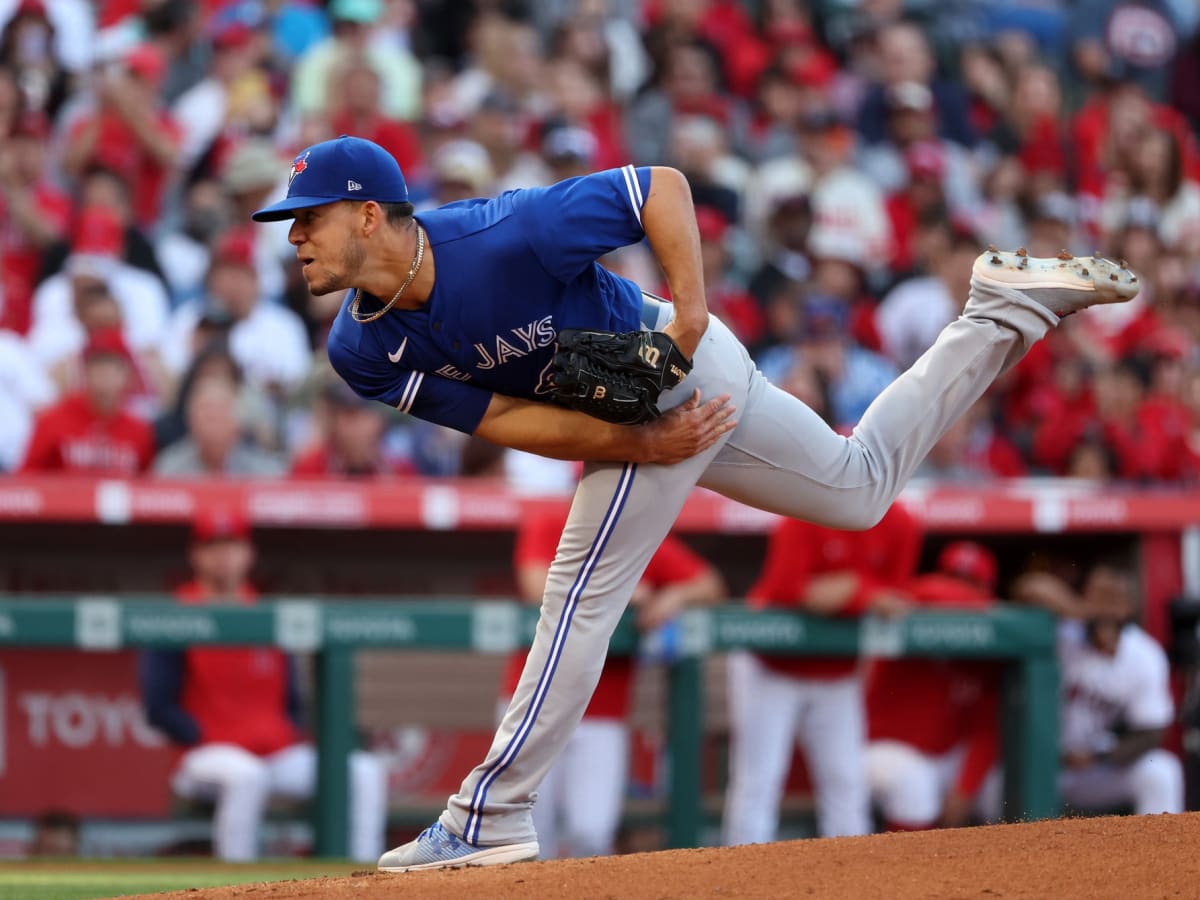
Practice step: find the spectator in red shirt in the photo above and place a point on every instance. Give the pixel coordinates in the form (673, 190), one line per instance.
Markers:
(777, 700)
(130, 132)
(1118, 420)
(353, 442)
(356, 109)
(727, 299)
(579, 803)
(932, 722)
(234, 712)
(34, 213)
(90, 431)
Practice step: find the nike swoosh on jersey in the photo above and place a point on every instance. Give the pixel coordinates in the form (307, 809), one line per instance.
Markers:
(395, 357)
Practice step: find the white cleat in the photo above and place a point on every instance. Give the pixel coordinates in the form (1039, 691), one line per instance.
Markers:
(1064, 284)
(437, 848)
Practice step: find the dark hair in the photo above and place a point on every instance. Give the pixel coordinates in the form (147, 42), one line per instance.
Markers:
(398, 213)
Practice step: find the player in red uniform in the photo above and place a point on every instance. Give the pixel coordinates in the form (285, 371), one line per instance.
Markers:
(777, 700)
(932, 723)
(579, 801)
(235, 711)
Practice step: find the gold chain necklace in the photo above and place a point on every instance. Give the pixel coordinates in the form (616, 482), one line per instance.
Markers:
(412, 273)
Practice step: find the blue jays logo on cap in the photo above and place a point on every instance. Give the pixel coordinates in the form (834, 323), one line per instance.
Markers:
(299, 164)
(345, 168)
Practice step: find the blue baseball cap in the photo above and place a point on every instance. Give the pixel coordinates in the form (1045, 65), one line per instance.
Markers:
(345, 168)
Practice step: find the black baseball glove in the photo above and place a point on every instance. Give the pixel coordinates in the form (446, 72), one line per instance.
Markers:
(616, 377)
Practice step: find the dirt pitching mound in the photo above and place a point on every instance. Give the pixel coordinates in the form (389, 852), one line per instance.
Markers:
(1135, 856)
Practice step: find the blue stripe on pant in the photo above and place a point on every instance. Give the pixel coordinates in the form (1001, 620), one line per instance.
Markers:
(517, 741)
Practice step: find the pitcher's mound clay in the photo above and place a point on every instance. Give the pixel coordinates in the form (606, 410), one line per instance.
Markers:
(1135, 856)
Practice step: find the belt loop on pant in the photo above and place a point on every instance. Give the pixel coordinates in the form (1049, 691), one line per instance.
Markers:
(655, 311)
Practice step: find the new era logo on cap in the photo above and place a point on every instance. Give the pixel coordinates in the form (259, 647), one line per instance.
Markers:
(326, 168)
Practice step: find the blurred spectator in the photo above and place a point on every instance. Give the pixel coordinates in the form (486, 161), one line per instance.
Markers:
(913, 313)
(569, 152)
(1116, 419)
(727, 298)
(778, 701)
(460, 170)
(358, 109)
(686, 84)
(848, 207)
(105, 189)
(184, 252)
(235, 713)
(36, 215)
(1136, 40)
(1154, 180)
(90, 431)
(1052, 224)
(129, 131)
(579, 101)
(72, 32)
(203, 110)
(55, 834)
(1117, 703)
(24, 390)
(820, 335)
(352, 444)
(215, 445)
(933, 723)
(912, 150)
(905, 57)
(785, 266)
(499, 127)
(973, 451)
(580, 800)
(357, 37)
(267, 340)
(27, 49)
(254, 175)
(95, 264)
(254, 409)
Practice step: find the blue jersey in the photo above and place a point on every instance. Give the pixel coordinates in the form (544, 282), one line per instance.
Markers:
(511, 271)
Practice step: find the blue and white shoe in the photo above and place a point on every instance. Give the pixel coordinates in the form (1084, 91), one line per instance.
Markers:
(437, 848)
(1064, 284)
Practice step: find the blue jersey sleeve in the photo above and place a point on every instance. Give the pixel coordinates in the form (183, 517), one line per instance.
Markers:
(430, 397)
(571, 224)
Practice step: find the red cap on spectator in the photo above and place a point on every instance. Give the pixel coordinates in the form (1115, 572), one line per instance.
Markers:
(106, 342)
(98, 232)
(711, 223)
(235, 248)
(815, 70)
(32, 8)
(232, 34)
(147, 62)
(970, 561)
(926, 158)
(33, 123)
(220, 525)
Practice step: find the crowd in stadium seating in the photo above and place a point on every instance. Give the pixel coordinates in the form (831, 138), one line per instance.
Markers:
(848, 161)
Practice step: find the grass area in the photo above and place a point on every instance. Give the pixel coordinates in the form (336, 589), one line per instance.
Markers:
(76, 879)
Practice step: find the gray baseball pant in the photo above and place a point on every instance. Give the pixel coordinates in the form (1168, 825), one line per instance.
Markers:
(781, 457)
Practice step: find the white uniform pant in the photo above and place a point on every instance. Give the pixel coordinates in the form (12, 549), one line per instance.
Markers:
(909, 785)
(241, 783)
(768, 712)
(1153, 783)
(781, 458)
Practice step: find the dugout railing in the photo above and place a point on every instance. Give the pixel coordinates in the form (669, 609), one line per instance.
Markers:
(334, 630)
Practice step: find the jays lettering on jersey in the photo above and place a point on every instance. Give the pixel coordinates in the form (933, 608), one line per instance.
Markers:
(511, 271)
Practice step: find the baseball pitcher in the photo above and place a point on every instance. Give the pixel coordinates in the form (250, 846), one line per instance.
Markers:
(493, 317)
